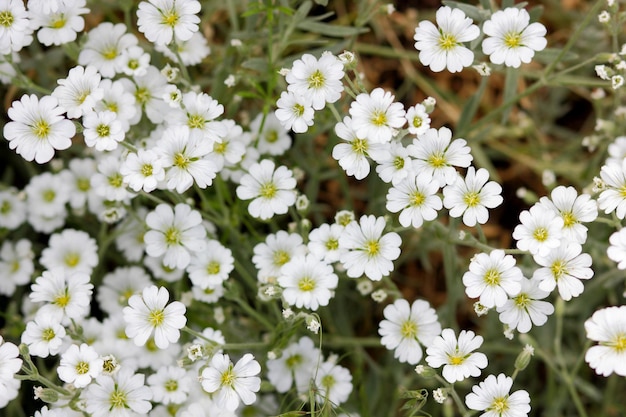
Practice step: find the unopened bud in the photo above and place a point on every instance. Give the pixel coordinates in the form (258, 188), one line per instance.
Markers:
(523, 359)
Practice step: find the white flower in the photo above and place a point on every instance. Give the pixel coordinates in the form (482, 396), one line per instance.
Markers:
(61, 25)
(564, 267)
(369, 252)
(78, 178)
(525, 309)
(134, 61)
(472, 196)
(376, 116)
(119, 285)
(510, 39)
(102, 130)
(119, 101)
(232, 384)
(79, 92)
(271, 189)
(191, 52)
(108, 182)
(104, 47)
(170, 385)
(418, 119)
(211, 267)
(406, 326)
(319, 81)
(416, 197)
(174, 233)
(16, 27)
(443, 47)
(617, 250)
(67, 294)
(142, 170)
(276, 251)
(333, 382)
(73, 250)
(457, 356)
(324, 242)
(608, 327)
(613, 198)
(394, 163)
(270, 135)
(12, 209)
(574, 209)
(10, 364)
(199, 112)
(148, 90)
(492, 396)
(163, 20)
(297, 363)
(148, 312)
(294, 111)
(79, 365)
(540, 230)
(492, 277)
(37, 128)
(435, 153)
(16, 265)
(121, 395)
(307, 282)
(352, 156)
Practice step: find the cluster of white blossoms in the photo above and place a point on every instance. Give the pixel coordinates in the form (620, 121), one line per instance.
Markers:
(510, 39)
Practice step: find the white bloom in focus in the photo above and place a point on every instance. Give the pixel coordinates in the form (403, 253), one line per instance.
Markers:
(540, 230)
(443, 47)
(61, 25)
(294, 111)
(456, 355)
(394, 163)
(67, 294)
(613, 199)
(471, 196)
(79, 92)
(276, 251)
(352, 156)
(617, 250)
(564, 267)
(102, 130)
(319, 81)
(134, 61)
(79, 365)
(44, 336)
(211, 267)
(15, 29)
(525, 309)
(436, 153)
(297, 363)
(406, 326)
(199, 112)
(492, 277)
(104, 47)
(418, 119)
(574, 209)
(150, 312)
(232, 384)
(607, 327)
(122, 395)
(492, 396)
(510, 39)
(416, 198)
(174, 233)
(142, 170)
(271, 189)
(119, 101)
(163, 20)
(324, 242)
(307, 282)
(37, 128)
(369, 252)
(333, 382)
(376, 116)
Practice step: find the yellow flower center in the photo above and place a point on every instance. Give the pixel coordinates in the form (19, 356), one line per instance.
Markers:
(41, 129)
(15, 266)
(298, 109)
(540, 234)
(513, 40)
(171, 385)
(49, 196)
(492, 277)
(372, 248)
(83, 184)
(619, 344)
(82, 368)
(156, 318)
(72, 259)
(195, 121)
(142, 95)
(213, 268)
(328, 381)
(109, 53)
(379, 118)
(417, 121)
(416, 199)
(118, 399)
(133, 64)
(103, 130)
(281, 258)
(112, 107)
(306, 284)
(170, 18)
(408, 330)
(268, 190)
(316, 80)
(568, 219)
(359, 146)
(228, 377)
(5, 207)
(172, 236)
(447, 41)
(499, 405)
(146, 170)
(220, 147)
(398, 162)
(456, 359)
(116, 180)
(293, 361)
(558, 269)
(62, 299)
(437, 160)
(271, 136)
(48, 334)
(332, 244)
(181, 160)
(471, 199)
(522, 300)
(6, 18)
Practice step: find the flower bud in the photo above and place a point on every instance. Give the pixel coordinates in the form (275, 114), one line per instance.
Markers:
(523, 359)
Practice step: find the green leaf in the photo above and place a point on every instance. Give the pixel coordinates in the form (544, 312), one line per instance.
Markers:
(334, 31)
(550, 54)
(476, 13)
(470, 108)
(535, 13)
(510, 89)
(257, 64)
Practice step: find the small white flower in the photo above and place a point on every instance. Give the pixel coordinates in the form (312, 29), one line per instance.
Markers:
(16, 265)
(492, 277)
(104, 48)
(443, 47)
(102, 130)
(510, 38)
(232, 384)
(352, 156)
(376, 116)
(211, 267)
(142, 170)
(319, 81)
(163, 21)
(10, 364)
(394, 163)
(418, 119)
(604, 16)
(149, 312)
(271, 189)
(407, 326)
(170, 385)
(574, 209)
(44, 336)
(123, 394)
(67, 294)
(79, 92)
(612, 197)
(333, 382)
(525, 309)
(540, 230)
(369, 252)
(472, 196)
(492, 396)
(307, 282)
(294, 111)
(456, 355)
(416, 199)
(297, 363)
(439, 395)
(617, 250)
(73, 250)
(617, 81)
(79, 365)
(608, 327)
(564, 267)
